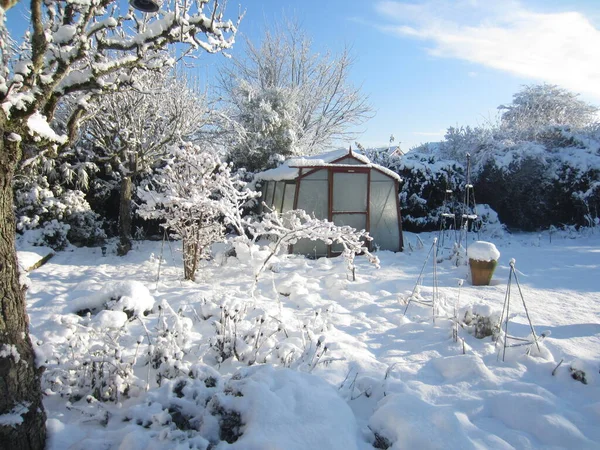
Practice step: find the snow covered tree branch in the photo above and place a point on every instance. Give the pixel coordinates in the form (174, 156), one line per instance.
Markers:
(536, 109)
(286, 99)
(291, 226)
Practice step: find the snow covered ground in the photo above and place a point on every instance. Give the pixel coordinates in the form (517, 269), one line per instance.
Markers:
(346, 369)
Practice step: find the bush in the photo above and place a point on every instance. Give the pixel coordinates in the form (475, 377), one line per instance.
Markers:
(423, 194)
(62, 215)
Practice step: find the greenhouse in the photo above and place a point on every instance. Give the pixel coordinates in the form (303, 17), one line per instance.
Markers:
(343, 187)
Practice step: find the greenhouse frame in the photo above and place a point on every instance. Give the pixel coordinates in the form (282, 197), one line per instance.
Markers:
(343, 187)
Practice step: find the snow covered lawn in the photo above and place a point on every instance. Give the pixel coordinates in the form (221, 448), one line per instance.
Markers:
(345, 368)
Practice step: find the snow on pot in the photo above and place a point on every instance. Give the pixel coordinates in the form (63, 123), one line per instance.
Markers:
(483, 257)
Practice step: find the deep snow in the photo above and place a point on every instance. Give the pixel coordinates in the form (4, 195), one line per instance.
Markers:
(399, 380)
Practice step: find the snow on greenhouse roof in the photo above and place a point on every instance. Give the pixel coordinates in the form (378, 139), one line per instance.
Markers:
(289, 170)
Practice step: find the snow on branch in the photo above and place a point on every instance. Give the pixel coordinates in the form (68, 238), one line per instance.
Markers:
(83, 47)
(195, 195)
(291, 226)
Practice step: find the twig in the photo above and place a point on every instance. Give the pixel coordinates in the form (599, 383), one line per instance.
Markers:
(556, 368)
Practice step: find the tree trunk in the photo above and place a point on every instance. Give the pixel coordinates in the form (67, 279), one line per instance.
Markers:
(20, 389)
(125, 217)
(190, 251)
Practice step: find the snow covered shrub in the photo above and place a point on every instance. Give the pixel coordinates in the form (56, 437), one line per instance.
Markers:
(92, 361)
(490, 224)
(584, 371)
(186, 410)
(424, 195)
(195, 194)
(254, 406)
(481, 321)
(166, 353)
(52, 234)
(131, 297)
(518, 191)
(252, 336)
(62, 215)
(533, 187)
(576, 192)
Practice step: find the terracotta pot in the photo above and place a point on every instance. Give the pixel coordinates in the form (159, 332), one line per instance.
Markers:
(482, 271)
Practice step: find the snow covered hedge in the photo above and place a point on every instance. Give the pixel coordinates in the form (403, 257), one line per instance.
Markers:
(554, 181)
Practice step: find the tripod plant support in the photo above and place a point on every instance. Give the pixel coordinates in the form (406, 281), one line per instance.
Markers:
(506, 314)
(415, 296)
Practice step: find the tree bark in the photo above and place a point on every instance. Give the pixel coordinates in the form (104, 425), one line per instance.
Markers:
(190, 252)
(19, 377)
(125, 217)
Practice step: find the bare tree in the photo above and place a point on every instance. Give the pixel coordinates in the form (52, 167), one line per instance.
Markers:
(305, 99)
(536, 109)
(81, 48)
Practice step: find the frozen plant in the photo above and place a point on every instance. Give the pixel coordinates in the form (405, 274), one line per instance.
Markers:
(167, 351)
(289, 227)
(195, 194)
(259, 338)
(481, 322)
(92, 363)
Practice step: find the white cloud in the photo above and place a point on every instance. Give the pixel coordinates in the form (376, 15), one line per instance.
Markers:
(560, 48)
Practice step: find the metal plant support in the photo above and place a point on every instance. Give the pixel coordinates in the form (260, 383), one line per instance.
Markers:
(415, 296)
(519, 342)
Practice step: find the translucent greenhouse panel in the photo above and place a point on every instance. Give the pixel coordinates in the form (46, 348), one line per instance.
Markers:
(384, 215)
(376, 175)
(322, 174)
(261, 199)
(313, 197)
(350, 161)
(358, 221)
(288, 196)
(278, 198)
(349, 192)
(312, 249)
(269, 196)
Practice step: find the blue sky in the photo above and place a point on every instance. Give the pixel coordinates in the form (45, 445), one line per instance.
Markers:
(427, 65)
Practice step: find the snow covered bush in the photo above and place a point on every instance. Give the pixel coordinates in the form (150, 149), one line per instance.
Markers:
(253, 337)
(195, 195)
(167, 350)
(536, 167)
(254, 406)
(130, 297)
(490, 224)
(424, 194)
(481, 321)
(63, 216)
(93, 361)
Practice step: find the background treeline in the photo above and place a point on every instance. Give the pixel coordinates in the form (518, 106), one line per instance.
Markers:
(538, 166)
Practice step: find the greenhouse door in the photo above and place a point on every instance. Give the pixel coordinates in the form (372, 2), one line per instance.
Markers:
(349, 192)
